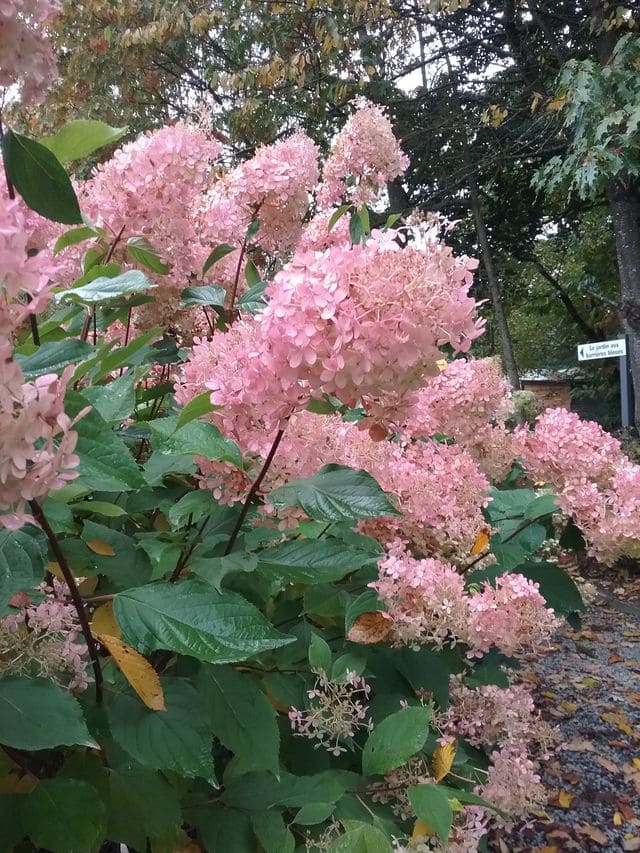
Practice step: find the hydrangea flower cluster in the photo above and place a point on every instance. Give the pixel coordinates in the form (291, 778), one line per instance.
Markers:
(469, 401)
(274, 186)
(336, 712)
(596, 483)
(428, 603)
(42, 640)
(21, 275)
(26, 55)
(364, 156)
(489, 715)
(36, 436)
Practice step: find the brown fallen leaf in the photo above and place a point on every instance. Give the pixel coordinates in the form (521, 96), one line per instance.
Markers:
(579, 744)
(630, 844)
(593, 833)
(572, 778)
(569, 706)
(608, 765)
(626, 811)
(615, 659)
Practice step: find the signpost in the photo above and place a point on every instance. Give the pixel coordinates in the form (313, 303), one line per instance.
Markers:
(614, 349)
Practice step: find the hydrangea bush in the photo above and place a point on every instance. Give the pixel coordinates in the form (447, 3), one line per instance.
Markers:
(264, 568)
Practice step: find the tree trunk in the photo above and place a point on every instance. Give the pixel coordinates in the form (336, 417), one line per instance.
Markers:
(494, 285)
(624, 202)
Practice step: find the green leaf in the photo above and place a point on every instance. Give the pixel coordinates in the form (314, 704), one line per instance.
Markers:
(335, 493)
(218, 253)
(254, 300)
(319, 654)
(510, 555)
(470, 798)
(193, 619)
(104, 508)
(542, 505)
(395, 740)
(252, 230)
(360, 838)
(556, 587)
(272, 832)
(40, 179)
(431, 804)
(225, 830)
(23, 554)
(314, 813)
(338, 214)
(259, 791)
(103, 289)
(141, 250)
(12, 829)
(195, 438)
(73, 237)
(311, 561)
(241, 717)
(104, 459)
(128, 565)
(203, 294)
(142, 806)
(251, 274)
(215, 569)
(53, 356)
(193, 505)
(36, 714)
(177, 739)
(81, 137)
(356, 229)
(113, 402)
(64, 816)
(196, 408)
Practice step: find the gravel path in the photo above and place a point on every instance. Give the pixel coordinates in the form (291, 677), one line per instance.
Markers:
(588, 684)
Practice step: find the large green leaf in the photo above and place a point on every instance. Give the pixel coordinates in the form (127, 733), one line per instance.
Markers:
(23, 554)
(216, 255)
(335, 493)
(259, 791)
(142, 805)
(113, 402)
(64, 816)
(272, 832)
(103, 289)
(224, 830)
(195, 438)
(126, 566)
(197, 407)
(359, 837)
(104, 460)
(177, 739)
(203, 294)
(143, 253)
(194, 619)
(40, 179)
(79, 138)
(53, 356)
(37, 714)
(242, 718)
(311, 561)
(431, 804)
(395, 740)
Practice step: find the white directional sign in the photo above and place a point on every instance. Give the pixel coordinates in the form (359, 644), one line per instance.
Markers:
(602, 349)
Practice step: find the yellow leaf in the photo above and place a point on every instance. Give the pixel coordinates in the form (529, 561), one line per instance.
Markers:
(100, 547)
(441, 364)
(104, 622)
(569, 706)
(371, 628)
(563, 799)
(442, 760)
(481, 544)
(636, 762)
(618, 820)
(421, 829)
(535, 103)
(137, 670)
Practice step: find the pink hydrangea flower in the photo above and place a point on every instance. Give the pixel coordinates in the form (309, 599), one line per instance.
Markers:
(26, 55)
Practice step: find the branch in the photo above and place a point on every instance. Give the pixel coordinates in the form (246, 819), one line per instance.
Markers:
(566, 300)
(253, 491)
(78, 603)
